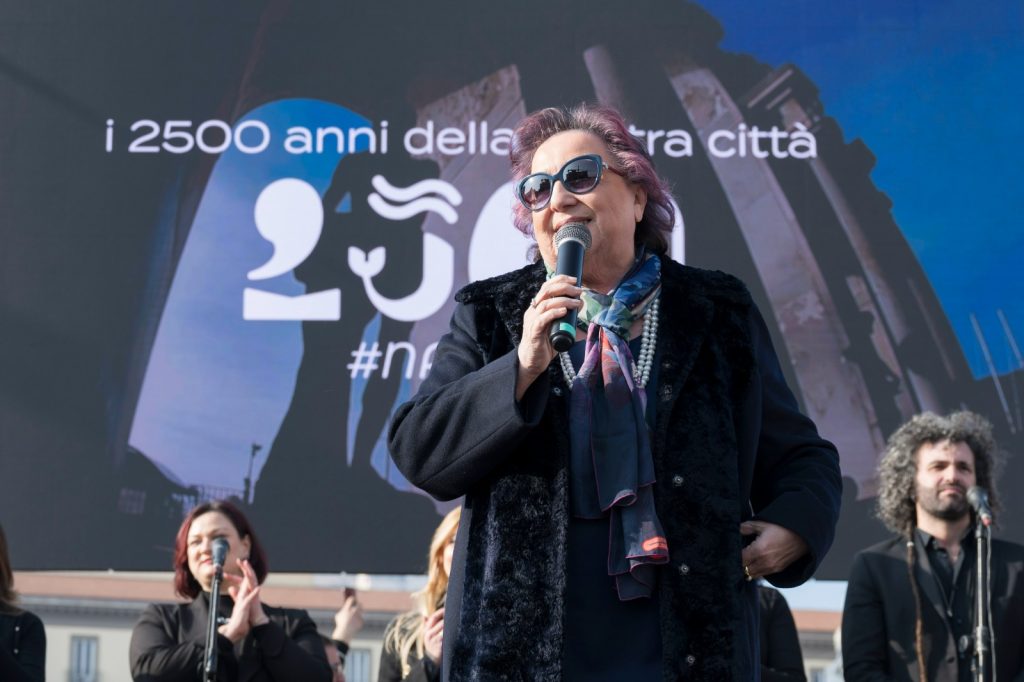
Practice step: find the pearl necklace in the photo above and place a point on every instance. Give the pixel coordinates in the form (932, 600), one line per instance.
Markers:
(642, 366)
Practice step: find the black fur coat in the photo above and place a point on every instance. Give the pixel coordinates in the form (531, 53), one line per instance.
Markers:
(730, 444)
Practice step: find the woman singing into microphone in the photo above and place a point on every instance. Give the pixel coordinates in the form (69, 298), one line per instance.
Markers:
(255, 642)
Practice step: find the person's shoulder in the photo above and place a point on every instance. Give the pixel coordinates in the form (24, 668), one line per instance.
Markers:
(284, 613)
(165, 613)
(399, 628)
(894, 546)
(404, 622)
(26, 620)
(169, 609)
(715, 285)
(874, 565)
(1007, 550)
(30, 619)
(514, 283)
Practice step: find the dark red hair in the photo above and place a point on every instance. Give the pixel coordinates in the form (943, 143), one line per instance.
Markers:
(629, 155)
(8, 596)
(185, 583)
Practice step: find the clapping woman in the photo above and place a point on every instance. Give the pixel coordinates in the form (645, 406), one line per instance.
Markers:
(255, 642)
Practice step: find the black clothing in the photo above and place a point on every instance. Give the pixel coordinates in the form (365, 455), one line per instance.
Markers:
(781, 658)
(606, 639)
(390, 669)
(730, 445)
(879, 615)
(169, 640)
(22, 647)
(342, 649)
(956, 587)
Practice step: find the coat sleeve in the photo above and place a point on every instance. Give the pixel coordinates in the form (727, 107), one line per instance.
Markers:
(29, 663)
(865, 654)
(464, 421)
(796, 481)
(292, 655)
(156, 655)
(781, 658)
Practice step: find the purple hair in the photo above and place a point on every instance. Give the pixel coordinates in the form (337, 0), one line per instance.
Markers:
(628, 155)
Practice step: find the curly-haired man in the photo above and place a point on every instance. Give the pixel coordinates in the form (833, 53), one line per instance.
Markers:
(910, 604)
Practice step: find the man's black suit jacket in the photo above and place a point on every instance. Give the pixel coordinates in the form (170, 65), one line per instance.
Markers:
(879, 616)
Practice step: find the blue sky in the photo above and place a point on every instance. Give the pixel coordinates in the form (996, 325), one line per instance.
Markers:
(934, 88)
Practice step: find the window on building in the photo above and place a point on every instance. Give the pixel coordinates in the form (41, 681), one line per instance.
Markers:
(357, 665)
(84, 657)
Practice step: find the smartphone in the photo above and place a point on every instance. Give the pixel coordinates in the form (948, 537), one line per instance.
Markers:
(350, 592)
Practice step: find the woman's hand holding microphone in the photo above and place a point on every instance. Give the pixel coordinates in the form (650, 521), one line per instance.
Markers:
(556, 297)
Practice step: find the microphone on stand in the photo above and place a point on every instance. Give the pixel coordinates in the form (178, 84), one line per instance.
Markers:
(571, 241)
(978, 497)
(983, 635)
(220, 553)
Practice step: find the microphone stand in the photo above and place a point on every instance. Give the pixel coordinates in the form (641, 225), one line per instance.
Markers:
(983, 535)
(210, 659)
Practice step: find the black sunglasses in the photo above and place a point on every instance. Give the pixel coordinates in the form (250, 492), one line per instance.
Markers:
(579, 176)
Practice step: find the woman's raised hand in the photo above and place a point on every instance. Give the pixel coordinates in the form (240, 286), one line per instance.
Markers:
(248, 610)
(257, 616)
(556, 297)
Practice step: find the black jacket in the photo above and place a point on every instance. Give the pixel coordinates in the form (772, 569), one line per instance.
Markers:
(729, 443)
(781, 658)
(879, 616)
(169, 640)
(22, 648)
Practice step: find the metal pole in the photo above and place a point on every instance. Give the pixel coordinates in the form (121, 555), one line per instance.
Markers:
(210, 667)
(983, 534)
(247, 491)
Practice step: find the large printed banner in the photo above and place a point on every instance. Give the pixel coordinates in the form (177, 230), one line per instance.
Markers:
(232, 234)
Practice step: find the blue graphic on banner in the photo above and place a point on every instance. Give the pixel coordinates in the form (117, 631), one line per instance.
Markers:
(218, 383)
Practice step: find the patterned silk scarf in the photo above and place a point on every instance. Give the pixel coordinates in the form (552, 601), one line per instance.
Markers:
(611, 460)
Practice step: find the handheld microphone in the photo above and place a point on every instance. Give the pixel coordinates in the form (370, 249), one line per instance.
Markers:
(978, 497)
(571, 242)
(220, 553)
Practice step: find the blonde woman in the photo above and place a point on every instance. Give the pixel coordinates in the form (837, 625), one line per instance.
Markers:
(412, 641)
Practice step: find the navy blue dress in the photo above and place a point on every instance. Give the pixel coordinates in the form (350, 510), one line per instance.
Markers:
(606, 639)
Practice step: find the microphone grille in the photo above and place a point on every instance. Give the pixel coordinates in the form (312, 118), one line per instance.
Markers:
(220, 550)
(577, 232)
